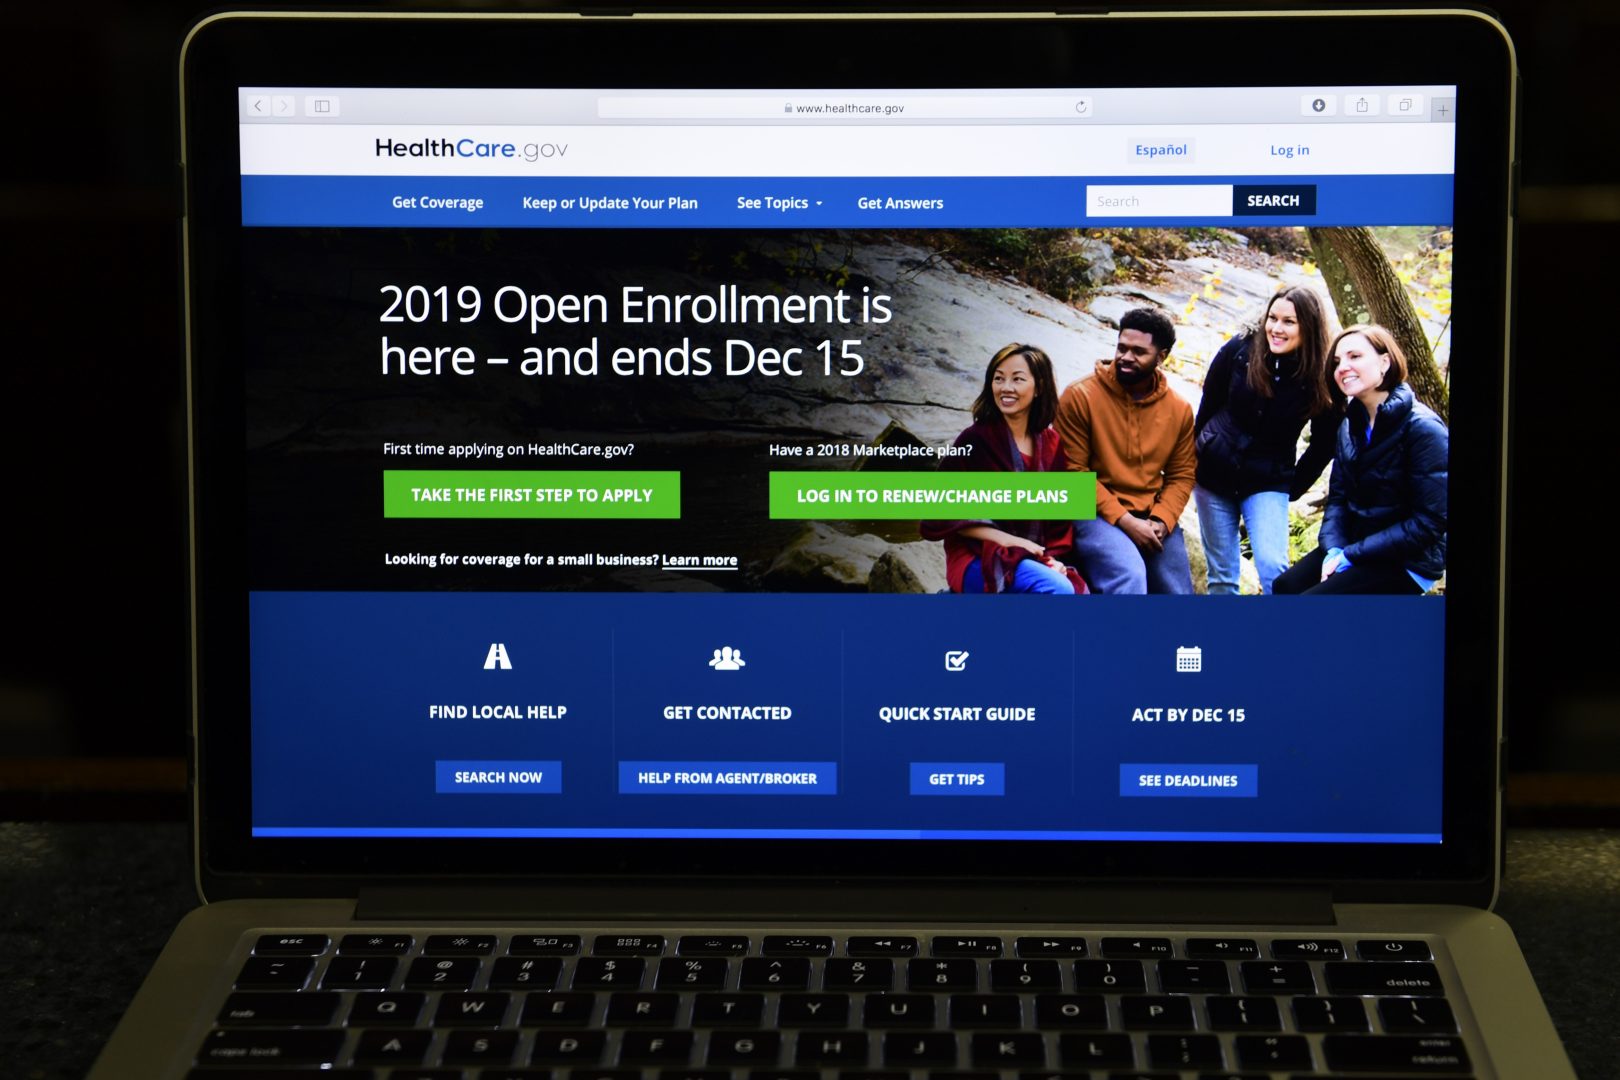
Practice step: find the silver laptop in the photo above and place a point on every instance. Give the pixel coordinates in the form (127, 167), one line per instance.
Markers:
(781, 548)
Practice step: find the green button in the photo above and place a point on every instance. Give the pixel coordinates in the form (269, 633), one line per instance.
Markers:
(530, 493)
(911, 496)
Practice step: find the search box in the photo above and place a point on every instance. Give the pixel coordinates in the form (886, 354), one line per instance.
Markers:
(1158, 200)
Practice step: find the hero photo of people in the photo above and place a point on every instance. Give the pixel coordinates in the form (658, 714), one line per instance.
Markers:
(1287, 397)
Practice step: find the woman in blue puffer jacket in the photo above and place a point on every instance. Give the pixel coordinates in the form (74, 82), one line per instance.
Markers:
(1384, 525)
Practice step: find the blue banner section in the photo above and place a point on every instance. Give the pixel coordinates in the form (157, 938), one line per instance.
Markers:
(366, 706)
(1198, 781)
(497, 777)
(475, 202)
(958, 778)
(728, 778)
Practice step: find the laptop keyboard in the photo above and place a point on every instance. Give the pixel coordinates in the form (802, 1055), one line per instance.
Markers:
(642, 1006)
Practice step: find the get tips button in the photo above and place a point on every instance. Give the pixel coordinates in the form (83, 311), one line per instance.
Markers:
(1189, 781)
(958, 778)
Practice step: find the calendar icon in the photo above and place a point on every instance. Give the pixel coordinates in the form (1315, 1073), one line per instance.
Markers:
(1189, 659)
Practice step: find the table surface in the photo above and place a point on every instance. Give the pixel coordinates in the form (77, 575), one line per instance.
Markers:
(87, 908)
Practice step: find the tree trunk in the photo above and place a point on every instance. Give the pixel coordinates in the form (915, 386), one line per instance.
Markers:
(1384, 297)
(1341, 289)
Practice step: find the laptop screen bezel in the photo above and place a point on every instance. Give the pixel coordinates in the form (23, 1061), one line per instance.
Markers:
(1463, 49)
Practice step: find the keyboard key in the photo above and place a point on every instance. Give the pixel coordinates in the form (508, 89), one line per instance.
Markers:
(759, 1074)
(1025, 975)
(1096, 1051)
(394, 1010)
(1272, 1051)
(501, 1074)
(359, 973)
(942, 975)
(607, 973)
(873, 1074)
(1109, 975)
(697, 945)
(248, 1046)
(1184, 1051)
(986, 1010)
(728, 1010)
(1243, 1014)
(965, 946)
(375, 944)
(543, 945)
(458, 945)
(1058, 947)
(785, 945)
(291, 945)
(422, 1074)
(525, 973)
(280, 1010)
(1394, 949)
(1193, 977)
(1307, 949)
(786, 973)
(443, 974)
(568, 1047)
(656, 1047)
(1071, 1011)
(1278, 977)
(471, 1010)
(813, 1010)
(280, 1074)
(628, 945)
(1007, 1049)
(1147, 1013)
(1396, 1053)
(1209, 948)
(1416, 1014)
(392, 1047)
(831, 1048)
(1329, 1014)
(577, 1074)
(918, 1049)
(692, 973)
(744, 1047)
(1385, 977)
(842, 974)
(1137, 948)
(882, 946)
(656, 1009)
(899, 1010)
(272, 973)
(572, 1010)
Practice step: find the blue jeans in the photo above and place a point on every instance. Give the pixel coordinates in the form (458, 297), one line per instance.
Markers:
(1029, 576)
(1266, 513)
(1111, 562)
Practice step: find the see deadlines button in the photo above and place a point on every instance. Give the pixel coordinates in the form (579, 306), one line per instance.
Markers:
(958, 778)
(1197, 781)
(497, 777)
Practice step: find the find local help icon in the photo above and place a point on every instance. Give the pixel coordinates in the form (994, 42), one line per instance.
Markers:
(1189, 659)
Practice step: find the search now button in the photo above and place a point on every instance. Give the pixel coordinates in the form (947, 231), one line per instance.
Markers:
(1158, 200)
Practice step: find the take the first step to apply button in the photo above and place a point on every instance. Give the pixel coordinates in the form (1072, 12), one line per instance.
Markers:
(531, 493)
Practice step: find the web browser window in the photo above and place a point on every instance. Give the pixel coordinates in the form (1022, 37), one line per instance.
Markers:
(814, 464)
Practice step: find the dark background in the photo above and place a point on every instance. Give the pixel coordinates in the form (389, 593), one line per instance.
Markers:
(92, 625)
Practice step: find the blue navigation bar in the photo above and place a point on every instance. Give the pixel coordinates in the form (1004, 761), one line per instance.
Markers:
(818, 202)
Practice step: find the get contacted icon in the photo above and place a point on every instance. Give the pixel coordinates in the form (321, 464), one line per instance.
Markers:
(956, 660)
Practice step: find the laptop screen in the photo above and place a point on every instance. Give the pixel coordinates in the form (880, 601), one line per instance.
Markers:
(842, 464)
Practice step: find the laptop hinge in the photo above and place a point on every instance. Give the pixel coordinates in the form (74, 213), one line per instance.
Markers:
(853, 901)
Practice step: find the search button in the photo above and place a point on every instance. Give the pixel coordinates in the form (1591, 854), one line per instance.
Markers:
(1273, 200)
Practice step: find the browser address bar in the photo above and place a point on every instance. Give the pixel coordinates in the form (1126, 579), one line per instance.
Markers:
(810, 105)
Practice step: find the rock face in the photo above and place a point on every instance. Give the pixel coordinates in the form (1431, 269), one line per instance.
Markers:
(1100, 265)
(822, 559)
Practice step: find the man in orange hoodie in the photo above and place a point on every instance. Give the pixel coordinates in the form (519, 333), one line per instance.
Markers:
(1123, 423)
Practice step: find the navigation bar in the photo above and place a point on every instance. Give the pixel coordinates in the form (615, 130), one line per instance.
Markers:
(839, 202)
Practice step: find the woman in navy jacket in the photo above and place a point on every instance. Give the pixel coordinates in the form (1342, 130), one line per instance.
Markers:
(1384, 525)
(1261, 389)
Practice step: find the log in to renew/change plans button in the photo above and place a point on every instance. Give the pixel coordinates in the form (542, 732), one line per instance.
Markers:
(530, 493)
(909, 496)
